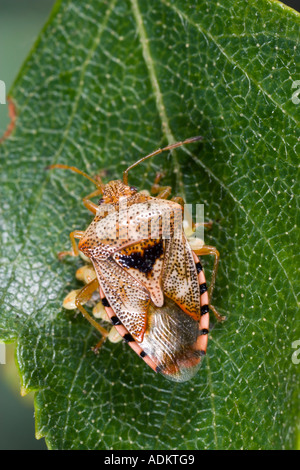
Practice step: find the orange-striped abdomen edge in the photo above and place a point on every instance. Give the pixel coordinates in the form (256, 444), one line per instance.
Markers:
(201, 344)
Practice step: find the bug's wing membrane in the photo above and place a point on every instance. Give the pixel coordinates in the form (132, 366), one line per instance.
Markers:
(170, 341)
(180, 280)
(127, 297)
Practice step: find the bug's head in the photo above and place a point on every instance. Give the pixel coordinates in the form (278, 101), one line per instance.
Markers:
(114, 190)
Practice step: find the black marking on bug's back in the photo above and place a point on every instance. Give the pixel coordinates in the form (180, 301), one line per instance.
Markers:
(145, 261)
(143, 354)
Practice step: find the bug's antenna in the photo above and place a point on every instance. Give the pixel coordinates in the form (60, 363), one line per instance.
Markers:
(99, 185)
(169, 147)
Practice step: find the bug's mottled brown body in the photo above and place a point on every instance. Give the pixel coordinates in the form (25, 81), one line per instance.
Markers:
(150, 281)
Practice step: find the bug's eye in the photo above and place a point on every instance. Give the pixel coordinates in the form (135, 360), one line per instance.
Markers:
(100, 201)
(133, 188)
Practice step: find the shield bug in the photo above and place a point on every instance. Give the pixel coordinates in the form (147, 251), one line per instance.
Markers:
(150, 281)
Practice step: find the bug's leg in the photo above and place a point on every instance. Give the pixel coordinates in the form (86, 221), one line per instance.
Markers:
(82, 297)
(203, 224)
(74, 252)
(91, 206)
(163, 192)
(179, 200)
(113, 337)
(219, 317)
(211, 250)
(98, 345)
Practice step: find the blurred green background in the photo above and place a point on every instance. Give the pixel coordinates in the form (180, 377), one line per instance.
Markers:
(20, 23)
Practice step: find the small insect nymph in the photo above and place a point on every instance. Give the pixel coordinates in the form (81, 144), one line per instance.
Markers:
(151, 287)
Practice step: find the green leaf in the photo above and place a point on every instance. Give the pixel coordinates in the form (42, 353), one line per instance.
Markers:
(109, 82)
